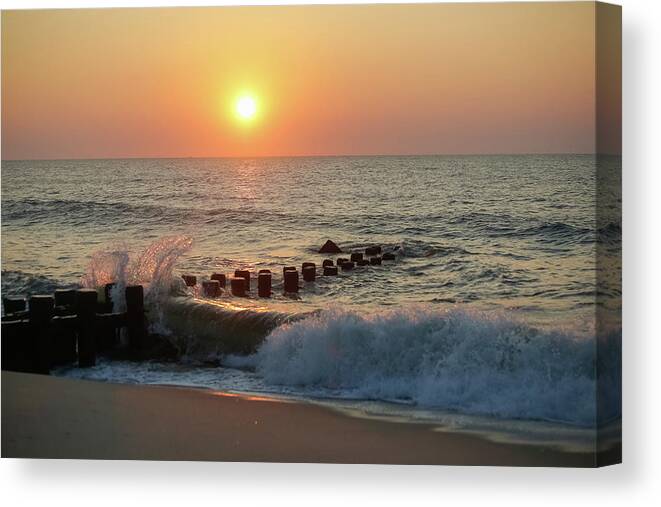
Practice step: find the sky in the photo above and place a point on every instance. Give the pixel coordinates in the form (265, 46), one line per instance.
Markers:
(324, 80)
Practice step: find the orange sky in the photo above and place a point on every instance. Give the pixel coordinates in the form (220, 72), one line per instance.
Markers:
(376, 79)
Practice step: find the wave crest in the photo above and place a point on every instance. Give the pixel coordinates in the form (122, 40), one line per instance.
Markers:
(452, 359)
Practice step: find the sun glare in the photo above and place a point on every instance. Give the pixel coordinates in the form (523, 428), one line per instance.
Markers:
(246, 107)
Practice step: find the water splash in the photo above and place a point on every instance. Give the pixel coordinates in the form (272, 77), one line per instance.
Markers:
(106, 266)
(152, 269)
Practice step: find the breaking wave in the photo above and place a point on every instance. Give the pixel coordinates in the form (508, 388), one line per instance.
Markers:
(451, 359)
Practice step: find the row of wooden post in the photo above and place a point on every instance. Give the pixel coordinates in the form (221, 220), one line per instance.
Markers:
(240, 282)
(68, 327)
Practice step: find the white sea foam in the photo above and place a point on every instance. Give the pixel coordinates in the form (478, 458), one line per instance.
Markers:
(451, 359)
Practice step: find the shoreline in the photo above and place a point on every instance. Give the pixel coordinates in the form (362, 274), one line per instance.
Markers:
(55, 417)
(385, 411)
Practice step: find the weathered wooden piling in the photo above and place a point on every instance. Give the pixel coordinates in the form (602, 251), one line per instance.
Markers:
(375, 261)
(264, 284)
(13, 305)
(347, 266)
(191, 280)
(63, 346)
(372, 250)
(106, 336)
(341, 260)
(330, 270)
(309, 272)
(388, 256)
(288, 268)
(211, 288)
(264, 271)
(16, 351)
(65, 297)
(86, 311)
(291, 280)
(238, 286)
(327, 262)
(221, 278)
(356, 256)
(245, 274)
(41, 311)
(362, 262)
(136, 324)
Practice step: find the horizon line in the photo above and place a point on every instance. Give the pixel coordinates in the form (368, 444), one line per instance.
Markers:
(230, 157)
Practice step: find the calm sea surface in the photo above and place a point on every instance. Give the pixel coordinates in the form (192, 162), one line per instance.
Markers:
(475, 236)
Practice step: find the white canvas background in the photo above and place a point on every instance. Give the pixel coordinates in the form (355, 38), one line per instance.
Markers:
(636, 482)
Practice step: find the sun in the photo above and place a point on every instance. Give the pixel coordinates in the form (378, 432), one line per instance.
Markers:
(246, 107)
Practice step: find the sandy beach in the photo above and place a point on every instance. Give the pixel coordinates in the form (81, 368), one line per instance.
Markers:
(50, 417)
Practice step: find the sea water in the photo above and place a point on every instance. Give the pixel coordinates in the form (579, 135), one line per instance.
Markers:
(485, 319)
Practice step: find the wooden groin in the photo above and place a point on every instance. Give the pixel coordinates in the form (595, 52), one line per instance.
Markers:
(73, 326)
(240, 281)
(68, 327)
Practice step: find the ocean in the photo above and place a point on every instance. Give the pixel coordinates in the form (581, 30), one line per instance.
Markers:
(485, 321)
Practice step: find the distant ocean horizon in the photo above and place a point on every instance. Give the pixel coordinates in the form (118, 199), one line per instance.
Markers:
(488, 310)
(330, 155)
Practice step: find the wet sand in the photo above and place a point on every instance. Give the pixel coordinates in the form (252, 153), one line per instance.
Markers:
(50, 417)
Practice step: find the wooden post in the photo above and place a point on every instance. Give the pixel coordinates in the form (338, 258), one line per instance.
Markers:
(356, 256)
(264, 271)
(327, 262)
(341, 260)
(65, 297)
(310, 273)
(245, 274)
(13, 305)
(362, 262)
(64, 334)
(375, 261)
(264, 285)
(330, 270)
(372, 250)
(86, 310)
(191, 280)
(42, 310)
(238, 286)
(106, 336)
(211, 288)
(291, 280)
(135, 317)
(64, 339)
(288, 268)
(221, 278)
(347, 266)
(16, 353)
